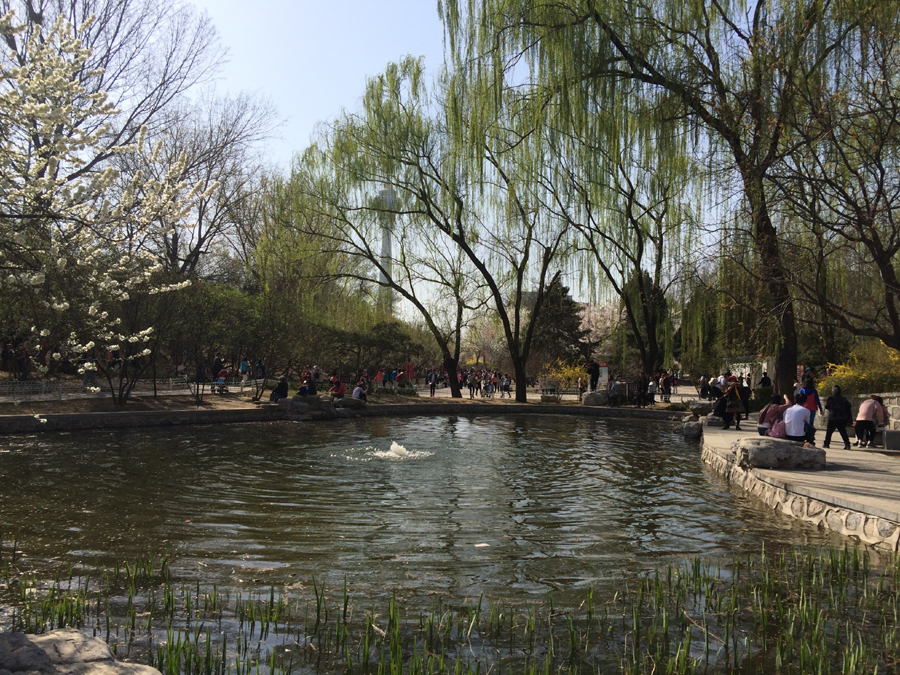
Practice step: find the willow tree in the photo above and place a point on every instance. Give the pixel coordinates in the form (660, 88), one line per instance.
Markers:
(736, 67)
(625, 189)
(840, 186)
(466, 226)
(379, 173)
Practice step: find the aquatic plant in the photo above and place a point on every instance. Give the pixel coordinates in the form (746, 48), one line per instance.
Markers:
(828, 611)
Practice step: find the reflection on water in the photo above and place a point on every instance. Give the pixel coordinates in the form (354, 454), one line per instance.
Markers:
(509, 506)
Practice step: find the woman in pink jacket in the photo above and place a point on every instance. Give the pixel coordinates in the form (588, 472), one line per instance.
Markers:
(771, 414)
(865, 421)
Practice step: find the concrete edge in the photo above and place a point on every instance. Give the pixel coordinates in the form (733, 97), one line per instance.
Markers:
(860, 522)
(19, 424)
(23, 424)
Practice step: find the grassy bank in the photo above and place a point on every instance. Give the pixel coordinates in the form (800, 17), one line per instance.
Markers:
(833, 611)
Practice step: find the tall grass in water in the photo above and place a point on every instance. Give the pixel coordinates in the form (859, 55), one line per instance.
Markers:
(832, 611)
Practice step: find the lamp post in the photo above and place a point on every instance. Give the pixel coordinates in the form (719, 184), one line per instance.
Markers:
(386, 201)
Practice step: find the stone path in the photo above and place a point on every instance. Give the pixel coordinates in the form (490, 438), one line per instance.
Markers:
(865, 481)
(857, 494)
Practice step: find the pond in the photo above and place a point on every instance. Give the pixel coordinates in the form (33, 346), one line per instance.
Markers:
(512, 506)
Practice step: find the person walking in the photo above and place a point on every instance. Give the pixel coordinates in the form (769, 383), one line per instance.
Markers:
(813, 403)
(244, 369)
(839, 416)
(432, 379)
(733, 407)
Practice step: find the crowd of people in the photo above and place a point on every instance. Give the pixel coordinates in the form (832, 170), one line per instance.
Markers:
(486, 383)
(787, 417)
(793, 418)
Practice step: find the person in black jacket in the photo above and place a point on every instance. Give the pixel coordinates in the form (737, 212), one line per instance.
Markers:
(281, 389)
(839, 416)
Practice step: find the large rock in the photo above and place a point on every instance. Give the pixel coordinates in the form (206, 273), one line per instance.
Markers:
(692, 429)
(777, 453)
(314, 402)
(68, 645)
(299, 408)
(19, 655)
(713, 421)
(351, 403)
(62, 652)
(700, 408)
(595, 398)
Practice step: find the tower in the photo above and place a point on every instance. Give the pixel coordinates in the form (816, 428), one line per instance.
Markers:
(386, 203)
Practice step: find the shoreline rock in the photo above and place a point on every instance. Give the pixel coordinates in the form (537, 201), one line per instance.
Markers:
(66, 651)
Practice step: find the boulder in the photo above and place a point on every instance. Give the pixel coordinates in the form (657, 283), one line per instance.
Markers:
(344, 413)
(777, 453)
(692, 429)
(299, 407)
(68, 645)
(19, 655)
(713, 421)
(595, 398)
(73, 653)
(700, 408)
(326, 405)
(285, 404)
(350, 403)
(314, 402)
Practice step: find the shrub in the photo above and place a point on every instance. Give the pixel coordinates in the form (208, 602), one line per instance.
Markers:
(566, 373)
(872, 367)
(390, 392)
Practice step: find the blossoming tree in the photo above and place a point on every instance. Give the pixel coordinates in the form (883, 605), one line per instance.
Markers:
(73, 232)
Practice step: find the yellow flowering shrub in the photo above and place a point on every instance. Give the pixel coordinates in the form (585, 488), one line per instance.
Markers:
(871, 368)
(566, 373)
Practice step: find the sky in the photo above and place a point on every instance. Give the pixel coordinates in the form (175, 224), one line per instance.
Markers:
(311, 58)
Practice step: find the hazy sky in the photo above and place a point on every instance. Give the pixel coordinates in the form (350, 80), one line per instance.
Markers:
(312, 58)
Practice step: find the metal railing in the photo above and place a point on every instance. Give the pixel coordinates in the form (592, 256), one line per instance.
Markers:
(26, 390)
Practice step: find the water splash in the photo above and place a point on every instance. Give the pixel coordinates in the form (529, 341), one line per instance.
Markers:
(396, 452)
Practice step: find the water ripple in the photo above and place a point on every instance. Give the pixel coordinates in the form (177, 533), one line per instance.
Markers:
(512, 505)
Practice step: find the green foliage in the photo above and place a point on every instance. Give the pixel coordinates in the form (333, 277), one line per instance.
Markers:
(557, 332)
(762, 396)
(871, 368)
(388, 393)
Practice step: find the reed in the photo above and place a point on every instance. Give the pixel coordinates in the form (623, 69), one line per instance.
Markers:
(827, 611)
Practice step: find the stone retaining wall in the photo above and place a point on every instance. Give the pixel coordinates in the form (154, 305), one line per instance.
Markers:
(867, 527)
(891, 402)
(17, 424)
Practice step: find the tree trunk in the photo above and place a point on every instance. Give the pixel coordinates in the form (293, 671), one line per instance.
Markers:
(773, 271)
(521, 384)
(451, 365)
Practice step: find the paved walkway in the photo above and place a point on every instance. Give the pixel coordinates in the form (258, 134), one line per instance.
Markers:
(860, 480)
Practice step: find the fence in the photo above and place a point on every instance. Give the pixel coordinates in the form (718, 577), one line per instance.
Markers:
(25, 390)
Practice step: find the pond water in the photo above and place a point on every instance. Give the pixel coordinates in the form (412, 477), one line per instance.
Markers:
(510, 506)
